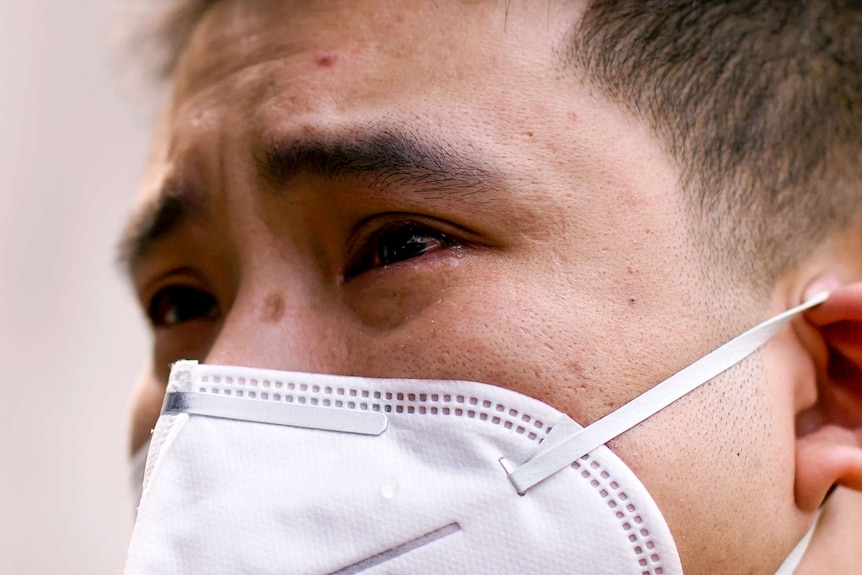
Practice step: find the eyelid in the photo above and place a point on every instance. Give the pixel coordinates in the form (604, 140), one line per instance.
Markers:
(367, 229)
(181, 277)
(365, 239)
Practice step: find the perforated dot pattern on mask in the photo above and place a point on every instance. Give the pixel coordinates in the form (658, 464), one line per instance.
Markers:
(625, 511)
(447, 405)
(439, 404)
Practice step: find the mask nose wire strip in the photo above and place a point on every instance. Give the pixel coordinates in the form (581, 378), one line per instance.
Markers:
(275, 413)
(550, 461)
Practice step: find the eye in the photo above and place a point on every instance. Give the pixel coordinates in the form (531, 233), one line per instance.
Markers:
(174, 305)
(396, 243)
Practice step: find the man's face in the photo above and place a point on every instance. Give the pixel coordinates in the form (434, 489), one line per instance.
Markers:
(426, 191)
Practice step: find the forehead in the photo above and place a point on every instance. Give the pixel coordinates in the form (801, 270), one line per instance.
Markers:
(263, 61)
(368, 39)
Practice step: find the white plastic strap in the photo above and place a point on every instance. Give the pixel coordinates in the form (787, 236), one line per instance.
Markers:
(564, 452)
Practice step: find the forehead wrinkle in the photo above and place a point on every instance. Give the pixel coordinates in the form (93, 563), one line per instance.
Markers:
(233, 37)
(236, 37)
(391, 157)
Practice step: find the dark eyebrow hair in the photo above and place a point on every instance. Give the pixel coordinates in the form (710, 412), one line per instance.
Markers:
(390, 157)
(172, 208)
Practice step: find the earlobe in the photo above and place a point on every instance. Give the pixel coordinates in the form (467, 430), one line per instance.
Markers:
(829, 433)
(832, 455)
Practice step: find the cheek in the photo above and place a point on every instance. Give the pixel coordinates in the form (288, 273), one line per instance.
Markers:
(146, 405)
(396, 299)
(189, 340)
(497, 326)
(709, 459)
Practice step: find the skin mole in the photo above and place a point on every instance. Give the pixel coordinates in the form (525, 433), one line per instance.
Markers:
(273, 308)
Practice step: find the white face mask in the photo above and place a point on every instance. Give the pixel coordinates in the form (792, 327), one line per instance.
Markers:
(260, 471)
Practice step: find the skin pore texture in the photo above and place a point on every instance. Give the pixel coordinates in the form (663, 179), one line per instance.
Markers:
(306, 142)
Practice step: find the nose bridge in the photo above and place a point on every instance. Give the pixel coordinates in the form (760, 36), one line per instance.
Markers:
(274, 326)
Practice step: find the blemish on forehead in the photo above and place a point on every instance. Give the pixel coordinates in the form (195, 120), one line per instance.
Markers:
(325, 59)
(273, 308)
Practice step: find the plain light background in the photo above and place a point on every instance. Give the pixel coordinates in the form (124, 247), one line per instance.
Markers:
(73, 141)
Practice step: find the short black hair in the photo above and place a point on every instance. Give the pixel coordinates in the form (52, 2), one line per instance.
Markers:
(758, 101)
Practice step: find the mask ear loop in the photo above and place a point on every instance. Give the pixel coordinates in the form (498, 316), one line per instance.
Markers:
(567, 450)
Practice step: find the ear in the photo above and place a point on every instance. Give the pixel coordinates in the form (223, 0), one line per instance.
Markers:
(829, 433)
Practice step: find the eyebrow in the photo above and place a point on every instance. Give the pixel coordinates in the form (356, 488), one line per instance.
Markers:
(391, 157)
(174, 206)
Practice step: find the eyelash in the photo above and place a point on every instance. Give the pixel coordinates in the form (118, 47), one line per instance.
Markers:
(174, 305)
(373, 252)
(177, 304)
